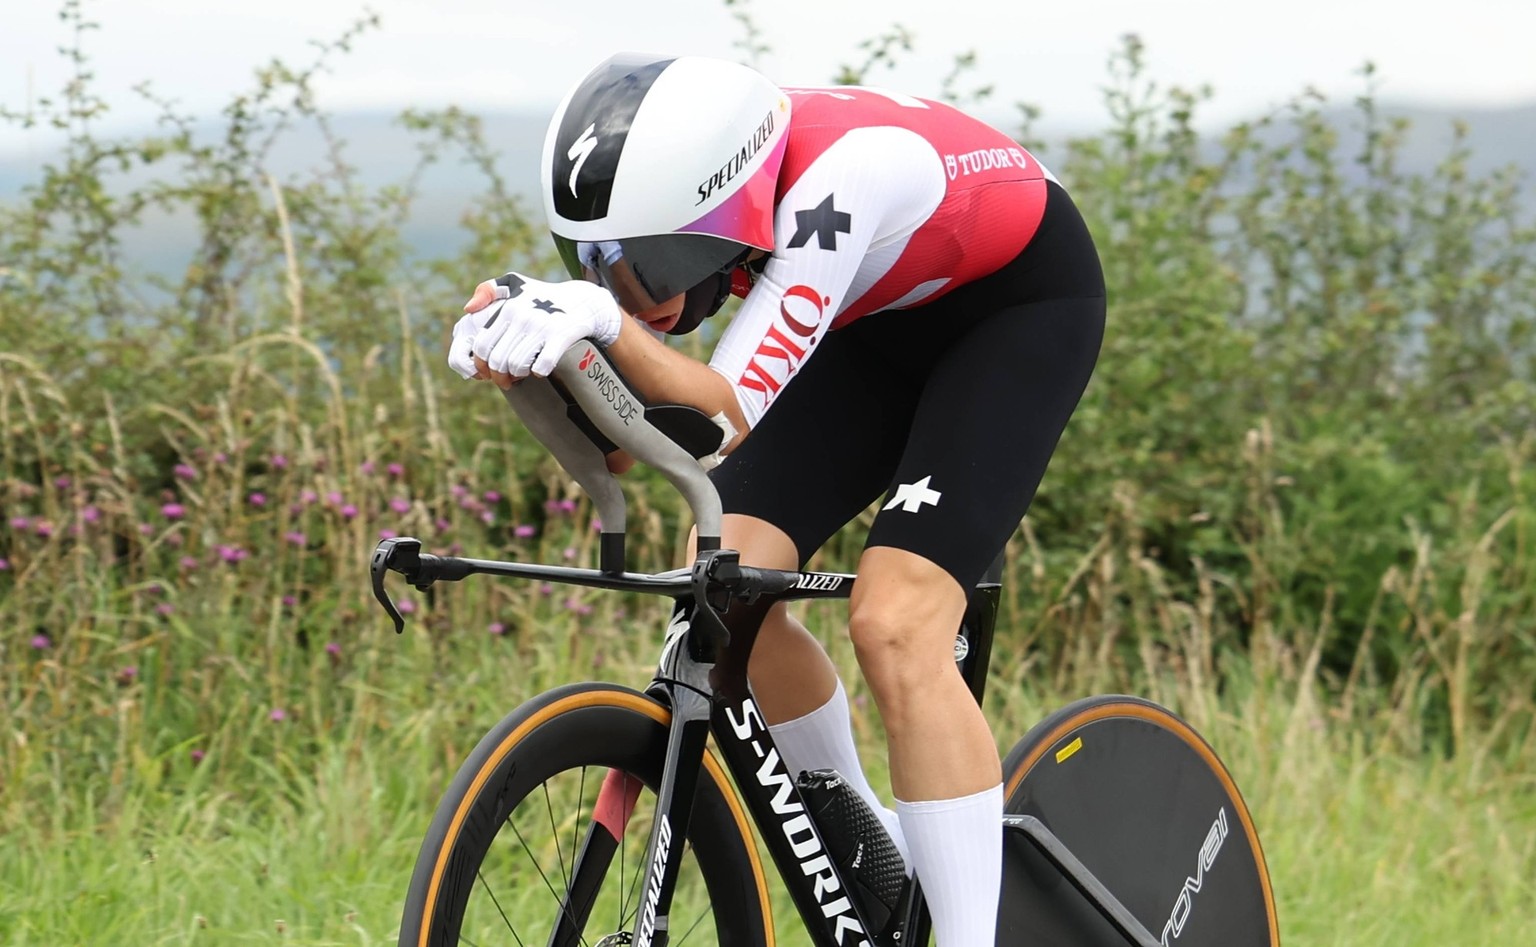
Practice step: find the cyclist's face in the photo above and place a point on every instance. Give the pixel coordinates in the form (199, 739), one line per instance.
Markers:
(663, 316)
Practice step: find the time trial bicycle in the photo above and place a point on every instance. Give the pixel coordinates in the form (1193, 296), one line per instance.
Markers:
(596, 815)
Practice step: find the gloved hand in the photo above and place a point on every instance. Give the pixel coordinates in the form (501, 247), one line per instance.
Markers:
(528, 324)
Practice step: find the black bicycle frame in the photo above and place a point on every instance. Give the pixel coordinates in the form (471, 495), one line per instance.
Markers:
(703, 675)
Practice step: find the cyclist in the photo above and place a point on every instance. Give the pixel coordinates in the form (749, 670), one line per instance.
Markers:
(923, 306)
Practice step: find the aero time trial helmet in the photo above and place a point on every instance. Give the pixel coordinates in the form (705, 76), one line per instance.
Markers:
(659, 177)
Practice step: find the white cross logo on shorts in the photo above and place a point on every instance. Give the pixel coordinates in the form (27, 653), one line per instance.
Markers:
(911, 496)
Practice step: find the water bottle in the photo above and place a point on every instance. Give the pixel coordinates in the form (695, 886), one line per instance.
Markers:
(857, 843)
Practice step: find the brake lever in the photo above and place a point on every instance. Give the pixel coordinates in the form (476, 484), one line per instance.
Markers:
(403, 554)
(711, 566)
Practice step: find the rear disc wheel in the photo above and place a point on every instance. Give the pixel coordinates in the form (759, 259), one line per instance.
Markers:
(1143, 802)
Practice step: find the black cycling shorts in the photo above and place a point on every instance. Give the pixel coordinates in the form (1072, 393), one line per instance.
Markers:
(951, 410)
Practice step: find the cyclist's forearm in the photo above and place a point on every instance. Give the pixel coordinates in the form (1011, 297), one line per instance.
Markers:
(664, 375)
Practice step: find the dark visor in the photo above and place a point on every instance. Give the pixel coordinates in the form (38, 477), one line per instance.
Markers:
(644, 272)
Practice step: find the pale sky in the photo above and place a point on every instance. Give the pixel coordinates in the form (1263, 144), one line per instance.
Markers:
(499, 54)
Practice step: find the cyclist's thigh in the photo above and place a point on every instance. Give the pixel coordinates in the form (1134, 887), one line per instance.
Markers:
(826, 448)
(990, 415)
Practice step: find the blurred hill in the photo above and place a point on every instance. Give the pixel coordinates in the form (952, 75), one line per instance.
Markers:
(383, 152)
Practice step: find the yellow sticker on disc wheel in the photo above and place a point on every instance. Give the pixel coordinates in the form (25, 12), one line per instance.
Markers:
(1063, 754)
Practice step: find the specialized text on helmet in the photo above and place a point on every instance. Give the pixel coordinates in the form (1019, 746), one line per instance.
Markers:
(738, 161)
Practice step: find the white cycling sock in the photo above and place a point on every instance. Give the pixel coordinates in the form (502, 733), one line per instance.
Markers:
(823, 739)
(957, 848)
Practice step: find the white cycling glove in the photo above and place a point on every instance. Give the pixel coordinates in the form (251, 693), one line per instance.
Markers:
(531, 324)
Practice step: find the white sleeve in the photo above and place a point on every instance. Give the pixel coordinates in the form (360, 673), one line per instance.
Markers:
(870, 188)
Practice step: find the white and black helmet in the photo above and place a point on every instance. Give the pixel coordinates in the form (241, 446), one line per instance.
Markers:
(659, 177)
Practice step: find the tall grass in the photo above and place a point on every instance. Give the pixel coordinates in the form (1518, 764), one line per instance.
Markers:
(1294, 506)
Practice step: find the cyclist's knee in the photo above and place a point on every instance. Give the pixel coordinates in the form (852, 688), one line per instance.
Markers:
(901, 644)
(903, 615)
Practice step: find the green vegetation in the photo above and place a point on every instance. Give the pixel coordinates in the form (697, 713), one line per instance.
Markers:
(1296, 506)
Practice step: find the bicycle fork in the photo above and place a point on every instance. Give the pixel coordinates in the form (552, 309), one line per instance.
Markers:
(683, 684)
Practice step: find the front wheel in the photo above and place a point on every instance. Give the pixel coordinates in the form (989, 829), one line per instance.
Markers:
(541, 837)
(1143, 802)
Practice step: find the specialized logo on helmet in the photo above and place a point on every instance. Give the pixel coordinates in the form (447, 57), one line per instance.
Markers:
(580, 152)
(738, 161)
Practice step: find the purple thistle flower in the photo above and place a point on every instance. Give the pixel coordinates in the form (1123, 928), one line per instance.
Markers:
(597, 525)
(551, 505)
(523, 531)
(41, 642)
(295, 538)
(197, 756)
(576, 605)
(20, 524)
(221, 458)
(165, 609)
(173, 511)
(488, 517)
(406, 606)
(188, 564)
(279, 462)
(90, 514)
(155, 588)
(546, 590)
(400, 505)
(43, 528)
(569, 553)
(334, 498)
(289, 601)
(496, 628)
(567, 506)
(308, 497)
(278, 715)
(333, 649)
(233, 554)
(366, 467)
(184, 472)
(5, 564)
(491, 496)
(295, 510)
(442, 525)
(458, 490)
(257, 499)
(387, 534)
(145, 529)
(174, 539)
(396, 470)
(349, 511)
(62, 482)
(126, 675)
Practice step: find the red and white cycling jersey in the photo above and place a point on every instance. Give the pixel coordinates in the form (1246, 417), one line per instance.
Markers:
(885, 201)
